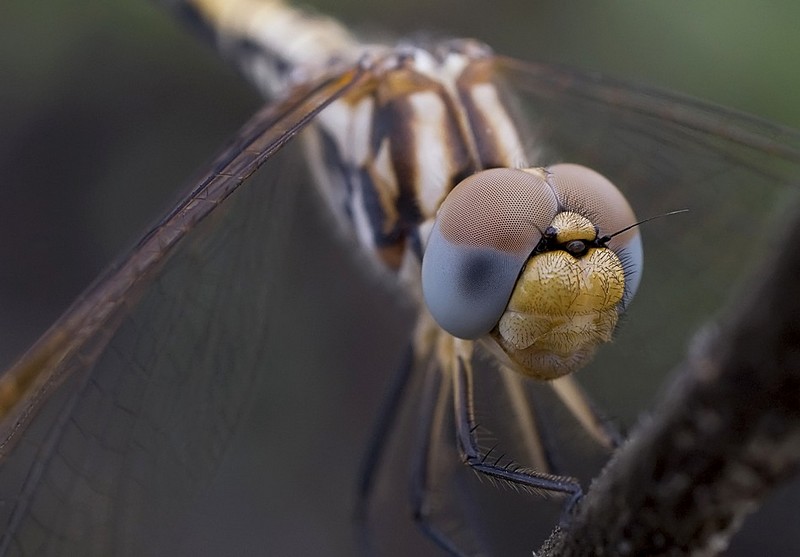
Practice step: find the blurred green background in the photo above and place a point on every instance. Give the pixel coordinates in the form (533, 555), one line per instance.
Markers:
(95, 95)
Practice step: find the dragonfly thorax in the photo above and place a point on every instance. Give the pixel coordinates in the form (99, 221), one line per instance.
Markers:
(387, 154)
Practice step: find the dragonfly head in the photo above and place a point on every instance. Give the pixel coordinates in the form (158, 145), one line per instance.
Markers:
(529, 259)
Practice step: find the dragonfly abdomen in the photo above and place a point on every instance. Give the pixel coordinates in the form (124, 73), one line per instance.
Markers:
(274, 45)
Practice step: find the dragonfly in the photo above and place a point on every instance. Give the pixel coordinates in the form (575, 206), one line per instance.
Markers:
(759, 147)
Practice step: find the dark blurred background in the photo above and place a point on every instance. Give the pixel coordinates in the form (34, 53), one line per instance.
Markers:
(93, 92)
(107, 108)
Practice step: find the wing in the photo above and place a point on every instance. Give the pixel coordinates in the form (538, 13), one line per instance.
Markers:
(667, 152)
(128, 400)
(735, 173)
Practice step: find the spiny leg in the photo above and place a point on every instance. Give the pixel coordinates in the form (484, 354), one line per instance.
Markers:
(456, 369)
(463, 399)
(537, 429)
(432, 441)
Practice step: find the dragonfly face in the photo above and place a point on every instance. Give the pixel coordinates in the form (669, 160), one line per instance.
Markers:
(513, 253)
(663, 201)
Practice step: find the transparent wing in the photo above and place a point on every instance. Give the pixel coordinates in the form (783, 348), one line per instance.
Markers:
(127, 402)
(666, 152)
(736, 174)
(95, 452)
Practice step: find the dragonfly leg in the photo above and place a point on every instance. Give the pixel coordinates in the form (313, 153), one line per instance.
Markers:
(471, 454)
(433, 413)
(380, 433)
(538, 444)
(585, 411)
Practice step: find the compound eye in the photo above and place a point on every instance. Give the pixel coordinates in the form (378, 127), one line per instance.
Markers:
(484, 232)
(586, 192)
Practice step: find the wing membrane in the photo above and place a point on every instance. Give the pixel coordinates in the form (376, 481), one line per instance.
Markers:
(120, 370)
(130, 397)
(666, 152)
(735, 173)
(27, 381)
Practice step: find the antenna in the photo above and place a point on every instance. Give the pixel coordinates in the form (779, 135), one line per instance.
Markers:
(605, 239)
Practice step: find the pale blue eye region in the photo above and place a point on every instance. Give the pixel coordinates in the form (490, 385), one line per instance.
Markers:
(467, 288)
(633, 254)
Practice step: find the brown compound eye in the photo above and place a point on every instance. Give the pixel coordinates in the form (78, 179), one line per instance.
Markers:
(490, 224)
(484, 232)
(584, 191)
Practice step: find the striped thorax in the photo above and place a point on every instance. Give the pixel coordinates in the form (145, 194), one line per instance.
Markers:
(428, 119)
(523, 259)
(519, 258)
